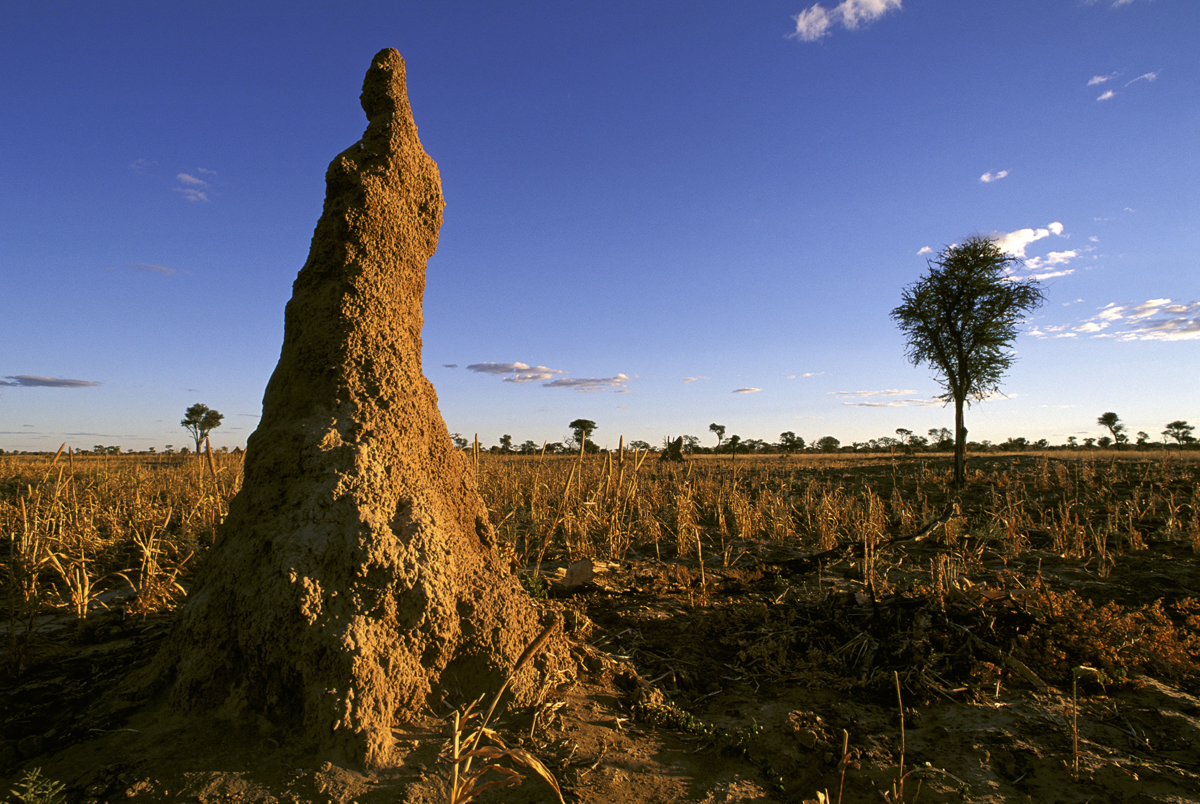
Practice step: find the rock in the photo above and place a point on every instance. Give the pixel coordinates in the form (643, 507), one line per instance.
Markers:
(355, 579)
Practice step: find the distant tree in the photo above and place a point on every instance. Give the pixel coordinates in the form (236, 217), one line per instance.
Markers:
(691, 443)
(905, 436)
(1181, 431)
(961, 319)
(100, 449)
(754, 445)
(1089, 442)
(1042, 443)
(582, 428)
(639, 445)
(733, 443)
(506, 443)
(828, 444)
(151, 450)
(1143, 438)
(528, 447)
(169, 449)
(790, 442)
(459, 441)
(1015, 444)
(719, 429)
(941, 437)
(199, 420)
(1072, 442)
(918, 442)
(1105, 442)
(1113, 422)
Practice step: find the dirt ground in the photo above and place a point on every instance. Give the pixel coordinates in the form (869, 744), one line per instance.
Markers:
(769, 677)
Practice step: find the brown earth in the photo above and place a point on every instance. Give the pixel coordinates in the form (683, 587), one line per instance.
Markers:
(717, 684)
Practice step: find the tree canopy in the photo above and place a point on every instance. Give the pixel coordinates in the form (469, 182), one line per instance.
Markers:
(200, 420)
(582, 428)
(961, 319)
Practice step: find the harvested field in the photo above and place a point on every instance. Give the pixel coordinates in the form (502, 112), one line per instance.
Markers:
(763, 629)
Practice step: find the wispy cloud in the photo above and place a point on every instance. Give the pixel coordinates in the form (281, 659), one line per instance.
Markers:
(1015, 242)
(523, 372)
(989, 177)
(816, 20)
(192, 188)
(191, 181)
(449, 365)
(589, 384)
(1110, 94)
(860, 399)
(1153, 320)
(29, 381)
(140, 166)
(925, 250)
(161, 270)
(515, 372)
(889, 392)
(747, 390)
(190, 194)
(1053, 260)
(1111, 3)
(694, 379)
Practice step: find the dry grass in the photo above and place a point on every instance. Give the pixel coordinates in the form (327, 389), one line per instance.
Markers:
(73, 529)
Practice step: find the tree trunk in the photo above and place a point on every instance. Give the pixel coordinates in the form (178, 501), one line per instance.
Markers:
(354, 581)
(960, 443)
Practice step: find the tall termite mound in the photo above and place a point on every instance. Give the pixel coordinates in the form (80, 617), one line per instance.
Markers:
(354, 576)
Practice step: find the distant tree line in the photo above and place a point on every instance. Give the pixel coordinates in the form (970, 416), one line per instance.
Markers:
(939, 439)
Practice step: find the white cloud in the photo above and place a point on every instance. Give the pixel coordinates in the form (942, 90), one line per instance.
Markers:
(1106, 95)
(924, 250)
(140, 166)
(989, 177)
(191, 181)
(1100, 79)
(1153, 320)
(1015, 242)
(1144, 77)
(816, 21)
(890, 392)
(190, 194)
(694, 379)
(515, 372)
(1052, 259)
(747, 390)
(588, 384)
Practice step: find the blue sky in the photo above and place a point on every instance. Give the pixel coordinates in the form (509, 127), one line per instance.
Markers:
(659, 215)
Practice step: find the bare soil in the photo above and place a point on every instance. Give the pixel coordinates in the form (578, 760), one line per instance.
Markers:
(737, 682)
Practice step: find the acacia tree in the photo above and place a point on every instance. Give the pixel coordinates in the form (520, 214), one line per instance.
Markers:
(1112, 421)
(199, 420)
(1181, 431)
(719, 429)
(582, 428)
(961, 319)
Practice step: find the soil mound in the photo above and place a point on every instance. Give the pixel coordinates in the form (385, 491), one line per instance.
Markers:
(355, 580)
